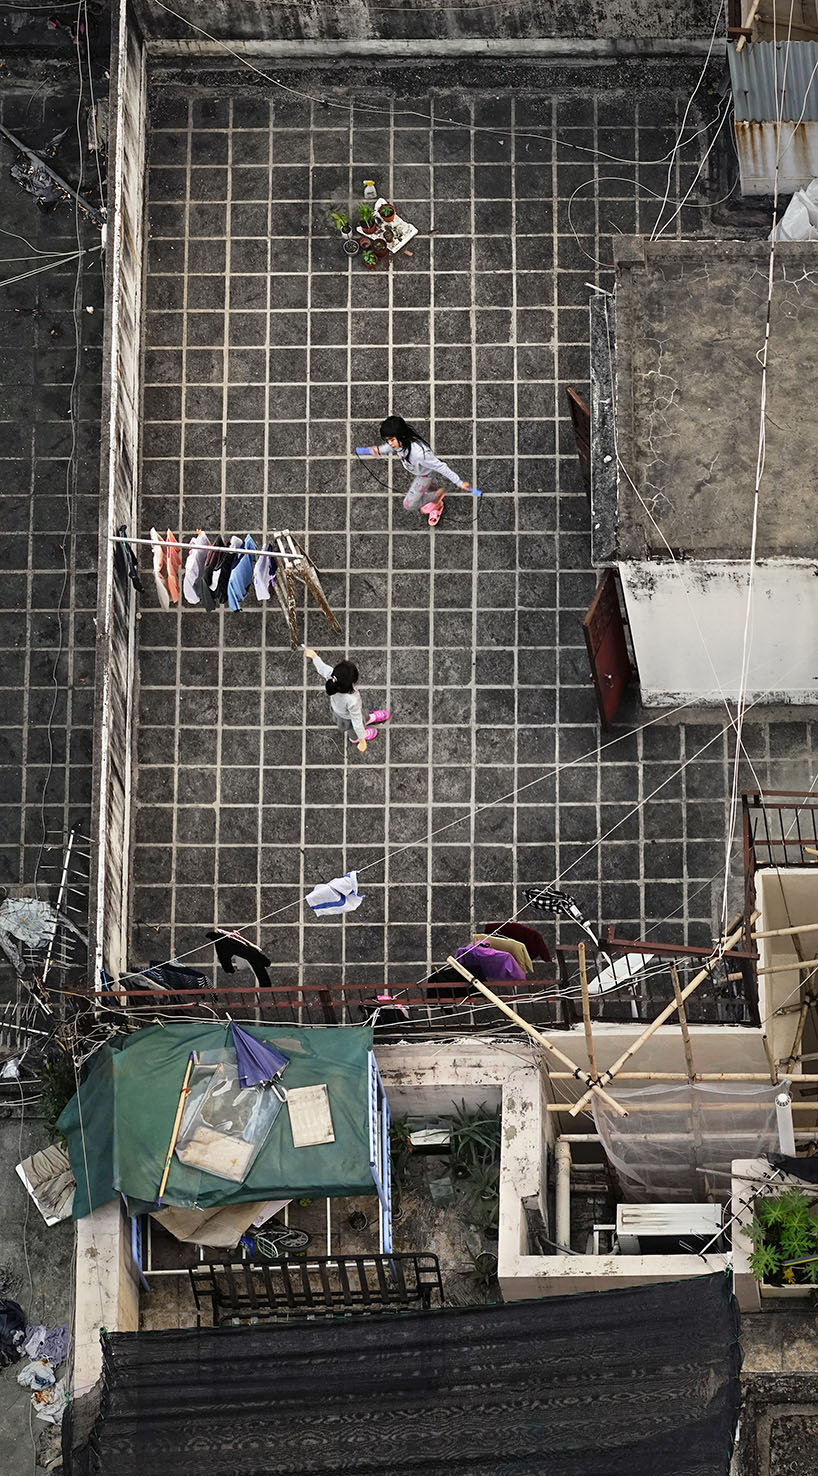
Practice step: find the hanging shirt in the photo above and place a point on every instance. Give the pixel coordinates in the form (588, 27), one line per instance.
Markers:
(173, 556)
(209, 573)
(194, 565)
(534, 941)
(263, 574)
(507, 945)
(339, 895)
(420, 461)
(130, 560)
(344, 704)
(489, 963)
(160, 569)
(229, 563)
(242, 576)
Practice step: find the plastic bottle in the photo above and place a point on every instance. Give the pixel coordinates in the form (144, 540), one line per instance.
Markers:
(370, 193)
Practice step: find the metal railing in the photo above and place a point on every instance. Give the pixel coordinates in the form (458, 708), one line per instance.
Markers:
(728, 997)
(245, 1291)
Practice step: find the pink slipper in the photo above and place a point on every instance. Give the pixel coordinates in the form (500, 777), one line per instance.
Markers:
(435, 511)
(369, 734)
(380, 715)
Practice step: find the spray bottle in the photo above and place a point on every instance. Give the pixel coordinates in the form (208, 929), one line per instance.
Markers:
(370, 193)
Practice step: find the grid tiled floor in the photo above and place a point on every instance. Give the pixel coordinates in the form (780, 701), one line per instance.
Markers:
(267, 358)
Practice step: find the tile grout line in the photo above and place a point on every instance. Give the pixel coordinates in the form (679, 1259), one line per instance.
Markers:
(387, 785)
(262, 754)
(344, 737)
(598, 254)
(515, 878)
(430, 750)
(475, 555)
(228, 223)
(177, 736)
(302, 933)
(557, 521)
(26, 693)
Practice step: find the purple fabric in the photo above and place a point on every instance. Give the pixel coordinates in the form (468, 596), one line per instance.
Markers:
(489, 963)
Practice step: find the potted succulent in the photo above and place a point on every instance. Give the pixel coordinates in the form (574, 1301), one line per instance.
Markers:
(366, 219)
(784, 1236)
(342, 223)
(369, 258)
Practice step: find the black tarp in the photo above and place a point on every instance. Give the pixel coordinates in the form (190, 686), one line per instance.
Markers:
(641, 1382)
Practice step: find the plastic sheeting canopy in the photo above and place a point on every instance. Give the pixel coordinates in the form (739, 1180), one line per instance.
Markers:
(119, 1140)
(672, 1132)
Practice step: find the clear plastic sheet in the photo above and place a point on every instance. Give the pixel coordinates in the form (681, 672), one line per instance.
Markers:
(677, 1142)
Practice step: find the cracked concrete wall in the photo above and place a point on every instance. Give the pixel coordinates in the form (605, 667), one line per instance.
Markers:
(272, 20)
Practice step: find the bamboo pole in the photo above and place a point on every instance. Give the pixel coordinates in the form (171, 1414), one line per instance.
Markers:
(787, 932)
(177, 1122)
(586, 1010)
(770, 1062)
(751, 15)
(572, 1109)
(809, 999)
(666, 1013)
(784, 968)
(541, 1040)
(796, 1080)
(680, 1005)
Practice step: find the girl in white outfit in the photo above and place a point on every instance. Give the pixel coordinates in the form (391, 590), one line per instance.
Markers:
(417, 458)
(345, 700)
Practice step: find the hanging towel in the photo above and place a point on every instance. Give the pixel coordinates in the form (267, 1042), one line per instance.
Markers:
(534, 941)
(242, 576)
(489, 963)
(339, 895)
(209, 573)
(229, 563)
(263, 574)
(513, 946)
(160, 569)
(194, 565)
(130, 560)
(173, 554)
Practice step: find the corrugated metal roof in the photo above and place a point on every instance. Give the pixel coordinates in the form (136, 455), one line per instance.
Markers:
(758, 72)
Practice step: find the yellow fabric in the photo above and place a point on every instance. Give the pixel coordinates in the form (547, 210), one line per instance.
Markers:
(507, 945)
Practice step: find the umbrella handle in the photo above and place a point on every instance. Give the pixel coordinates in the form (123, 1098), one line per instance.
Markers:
(279, 1092)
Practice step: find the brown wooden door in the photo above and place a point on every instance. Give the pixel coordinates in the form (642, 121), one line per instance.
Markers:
(604, 631)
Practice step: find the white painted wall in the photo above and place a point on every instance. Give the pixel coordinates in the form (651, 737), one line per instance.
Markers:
(678, 663)
(107, 1289)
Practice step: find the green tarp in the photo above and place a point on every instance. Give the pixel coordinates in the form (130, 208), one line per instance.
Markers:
(119, 1130)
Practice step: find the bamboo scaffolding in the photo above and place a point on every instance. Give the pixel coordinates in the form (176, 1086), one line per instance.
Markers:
(785, 968)
(748, 24)
(666, 1013)
(177, 1122)
(787, 932)
(572, 1108)
(586, 1010)
(542, 1040)
(796, 1080)
(770, 1062)
(680, 1005)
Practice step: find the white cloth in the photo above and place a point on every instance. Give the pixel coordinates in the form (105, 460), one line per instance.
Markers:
(263, 575)
(159, 570)
(339, 895)
(420, 461)
(27, 918)
(194, 564)
(347, 706)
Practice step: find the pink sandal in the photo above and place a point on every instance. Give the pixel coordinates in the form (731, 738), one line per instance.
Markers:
(435, 511)
(369, 734)
(380, 715)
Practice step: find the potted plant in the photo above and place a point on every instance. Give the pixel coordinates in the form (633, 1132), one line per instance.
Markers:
(784, 1236)
(342, 223)
(369, 258)
(380, 248)
(386, 211)
(366, 219)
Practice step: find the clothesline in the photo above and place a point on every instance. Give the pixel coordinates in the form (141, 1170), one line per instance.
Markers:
(253, 553)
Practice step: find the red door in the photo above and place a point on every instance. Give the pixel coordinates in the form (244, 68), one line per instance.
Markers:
(604, 631)
(581, 422)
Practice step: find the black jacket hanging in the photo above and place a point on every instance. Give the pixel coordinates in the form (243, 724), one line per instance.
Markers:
(232, 945)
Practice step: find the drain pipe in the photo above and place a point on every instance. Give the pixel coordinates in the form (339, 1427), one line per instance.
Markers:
(783, 1113)
(562, 1161)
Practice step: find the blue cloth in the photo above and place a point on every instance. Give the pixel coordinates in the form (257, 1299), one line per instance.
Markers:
(241, 577)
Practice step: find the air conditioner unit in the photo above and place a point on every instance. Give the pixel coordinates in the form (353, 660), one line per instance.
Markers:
(637, 1222)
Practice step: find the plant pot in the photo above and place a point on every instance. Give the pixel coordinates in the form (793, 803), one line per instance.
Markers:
(387, 211)
(789, 1293)
(351, 246)
(380, 249)
(358, 1221)
(369, 230)
(372, 265)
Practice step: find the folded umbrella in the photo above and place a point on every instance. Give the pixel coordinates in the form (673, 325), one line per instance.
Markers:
(259, 1063)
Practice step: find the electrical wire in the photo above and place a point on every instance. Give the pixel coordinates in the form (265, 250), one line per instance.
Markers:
(674, 153)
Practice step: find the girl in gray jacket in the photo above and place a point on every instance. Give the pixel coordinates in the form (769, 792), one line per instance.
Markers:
(418, 458)
(345, 700)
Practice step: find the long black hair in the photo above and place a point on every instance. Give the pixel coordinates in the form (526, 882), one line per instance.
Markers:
(343, 679)
(396, 426)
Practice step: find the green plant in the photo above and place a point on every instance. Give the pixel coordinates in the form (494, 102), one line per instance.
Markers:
(483, 1267)
(369, 258)
(387, 210)
(475, 1140)
(340, 220)
(784, 1228)
(58, 1084)
(366, 216)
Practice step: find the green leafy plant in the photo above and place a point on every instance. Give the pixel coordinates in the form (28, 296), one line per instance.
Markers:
(387, 210)
(483, 1267)
(475, 1140)
(340, 220)
(366, 216)
(369, 258)
(784, 1228)
(58, 1083)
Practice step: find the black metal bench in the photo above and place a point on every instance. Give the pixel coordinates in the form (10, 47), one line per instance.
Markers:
(315, 1286)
